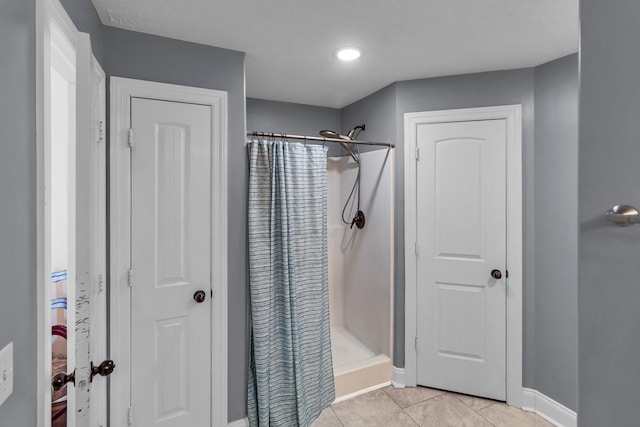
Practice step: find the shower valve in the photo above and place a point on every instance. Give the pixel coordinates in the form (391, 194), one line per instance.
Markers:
(358, 220)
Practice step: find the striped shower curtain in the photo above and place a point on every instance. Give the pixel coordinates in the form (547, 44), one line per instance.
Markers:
(290, 372)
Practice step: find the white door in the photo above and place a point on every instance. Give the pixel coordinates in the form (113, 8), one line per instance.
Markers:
(75, 226)
(90, 242)
(461, 237)
(170, 264)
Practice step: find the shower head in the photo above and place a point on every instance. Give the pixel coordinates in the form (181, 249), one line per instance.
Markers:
(348, 137)
(332, 134)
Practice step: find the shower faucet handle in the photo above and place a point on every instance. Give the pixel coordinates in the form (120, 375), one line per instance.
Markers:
(358, 220)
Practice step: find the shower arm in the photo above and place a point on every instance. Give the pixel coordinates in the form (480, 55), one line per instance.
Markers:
(353, 155)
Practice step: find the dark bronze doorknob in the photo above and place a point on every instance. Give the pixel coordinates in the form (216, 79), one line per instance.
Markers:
(199, 296)
(496, 274)
(104, 369)
(60, 380)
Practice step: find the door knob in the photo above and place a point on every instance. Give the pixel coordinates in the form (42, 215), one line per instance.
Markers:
(496, 274)
(60, 380)
(199, 296)
(104, 369)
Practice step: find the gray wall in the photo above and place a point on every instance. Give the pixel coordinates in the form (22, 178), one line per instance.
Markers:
(609, 272)
(286, 117)
(296, 119)
(384, 114)
(18, 207)
(142, 56)
(378, 112)
(18, 311)
(556, 230)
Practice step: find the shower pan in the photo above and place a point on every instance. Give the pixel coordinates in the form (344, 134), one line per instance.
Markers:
(361, 270)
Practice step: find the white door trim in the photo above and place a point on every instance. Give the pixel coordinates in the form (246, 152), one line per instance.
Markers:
(122, 90)
(512, 114)
(47, 12)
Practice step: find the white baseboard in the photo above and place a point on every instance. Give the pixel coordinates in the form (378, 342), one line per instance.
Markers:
(398, 377)
(242, 422)
(359, 392)
(547, 408)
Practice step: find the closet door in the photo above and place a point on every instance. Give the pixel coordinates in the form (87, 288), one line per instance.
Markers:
(461, 276)
(171, 290)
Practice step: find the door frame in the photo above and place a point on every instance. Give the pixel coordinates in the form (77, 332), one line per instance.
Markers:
(48, 12)
(121, 92)
(512, 114)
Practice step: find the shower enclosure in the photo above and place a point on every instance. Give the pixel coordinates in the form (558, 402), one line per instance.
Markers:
(361, 270)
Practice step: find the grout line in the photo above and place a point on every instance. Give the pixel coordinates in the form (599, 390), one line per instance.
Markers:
(393, 400)
(457, 396)
(425, 400)
(336, 415)
(411, 418)
(488, 420)
(403, 409)
(477, 411)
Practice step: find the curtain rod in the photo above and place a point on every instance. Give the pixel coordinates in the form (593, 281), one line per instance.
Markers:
(319, 139)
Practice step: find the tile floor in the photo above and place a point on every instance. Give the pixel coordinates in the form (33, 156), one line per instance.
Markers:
(421, 406)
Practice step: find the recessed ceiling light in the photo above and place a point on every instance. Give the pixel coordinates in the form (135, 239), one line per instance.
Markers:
(348, 53)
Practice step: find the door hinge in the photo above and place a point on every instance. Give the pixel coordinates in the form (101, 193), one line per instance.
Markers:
(506, 273)
(130, 138)
(100, 283)
(417, 249)
(415, 344)
(100, 131)
(130, 277)
(417, 153)
(130, 416)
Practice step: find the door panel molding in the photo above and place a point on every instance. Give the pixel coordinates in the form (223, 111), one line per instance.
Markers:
(512, 114)
(122, 90)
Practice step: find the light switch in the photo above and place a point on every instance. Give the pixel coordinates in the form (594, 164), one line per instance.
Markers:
(6, 372)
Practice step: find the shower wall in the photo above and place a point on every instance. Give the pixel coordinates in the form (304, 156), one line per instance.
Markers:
(361, 260)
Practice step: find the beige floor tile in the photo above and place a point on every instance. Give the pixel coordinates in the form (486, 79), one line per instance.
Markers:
(374, 409)
(501, 415)
(473, 402)
(411, 395)
(327, 419)
(445, 411)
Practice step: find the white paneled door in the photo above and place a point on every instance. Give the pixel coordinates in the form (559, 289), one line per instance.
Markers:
(461, 247)
(170, 264)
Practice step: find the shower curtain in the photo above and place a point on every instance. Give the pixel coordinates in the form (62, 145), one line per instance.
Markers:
(291, 371)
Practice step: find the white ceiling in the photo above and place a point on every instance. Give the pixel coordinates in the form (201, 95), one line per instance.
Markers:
(289, 44)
